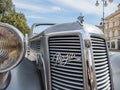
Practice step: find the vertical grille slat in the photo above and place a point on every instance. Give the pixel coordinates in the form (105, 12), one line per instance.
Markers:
(67, 76)
(101, 63)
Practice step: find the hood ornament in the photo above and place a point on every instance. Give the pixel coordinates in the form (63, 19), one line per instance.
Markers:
(81, 19)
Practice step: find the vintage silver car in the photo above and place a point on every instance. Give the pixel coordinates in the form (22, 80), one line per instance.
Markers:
(69, 56)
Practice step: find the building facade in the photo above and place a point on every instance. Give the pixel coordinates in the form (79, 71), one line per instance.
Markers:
(112, 29)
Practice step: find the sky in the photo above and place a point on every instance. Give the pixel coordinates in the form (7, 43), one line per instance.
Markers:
(63, 11)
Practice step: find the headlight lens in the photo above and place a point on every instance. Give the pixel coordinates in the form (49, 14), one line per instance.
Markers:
(11, 47)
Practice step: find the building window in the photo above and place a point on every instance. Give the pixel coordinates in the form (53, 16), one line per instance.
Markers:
(112, 44)
(108, 43)
(113, 33)
(118, 32)
(107, 34)
(108, 25)
(118, 44)
(113, 24)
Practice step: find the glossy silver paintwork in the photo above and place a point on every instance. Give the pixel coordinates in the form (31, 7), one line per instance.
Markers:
(92, 29)
(38, 24)
(4, 80)
(84, 32)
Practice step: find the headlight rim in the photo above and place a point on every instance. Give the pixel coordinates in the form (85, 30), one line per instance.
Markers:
(21, 36)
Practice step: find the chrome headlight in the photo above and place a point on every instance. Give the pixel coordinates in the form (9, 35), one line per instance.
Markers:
(11, 47)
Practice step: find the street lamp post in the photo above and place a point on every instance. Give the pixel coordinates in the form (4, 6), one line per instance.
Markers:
(104, 4)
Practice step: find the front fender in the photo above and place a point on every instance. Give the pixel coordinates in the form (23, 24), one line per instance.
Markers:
(25, 77)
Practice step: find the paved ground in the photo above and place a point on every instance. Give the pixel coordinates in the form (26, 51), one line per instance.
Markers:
(114, 52)
(115, 63)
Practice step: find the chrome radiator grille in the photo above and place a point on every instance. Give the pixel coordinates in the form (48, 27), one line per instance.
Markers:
(66, 63)
(101, 63)
(35, 45)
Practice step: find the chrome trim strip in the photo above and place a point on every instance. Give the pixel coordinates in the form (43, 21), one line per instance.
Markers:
(44, 70)
(89, 64)
(90, 70)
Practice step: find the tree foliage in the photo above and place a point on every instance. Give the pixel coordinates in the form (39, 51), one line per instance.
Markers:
(14, 18)
(6, 6)
(18, 20)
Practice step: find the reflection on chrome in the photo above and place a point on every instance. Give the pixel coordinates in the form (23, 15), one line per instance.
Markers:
(10, 47)
(91, 79)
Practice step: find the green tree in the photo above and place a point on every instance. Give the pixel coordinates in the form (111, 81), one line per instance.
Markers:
(6, 6)
(9, 15)
(18, 20)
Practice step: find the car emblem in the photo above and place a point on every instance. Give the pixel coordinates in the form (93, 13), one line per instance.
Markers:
(60, 59)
